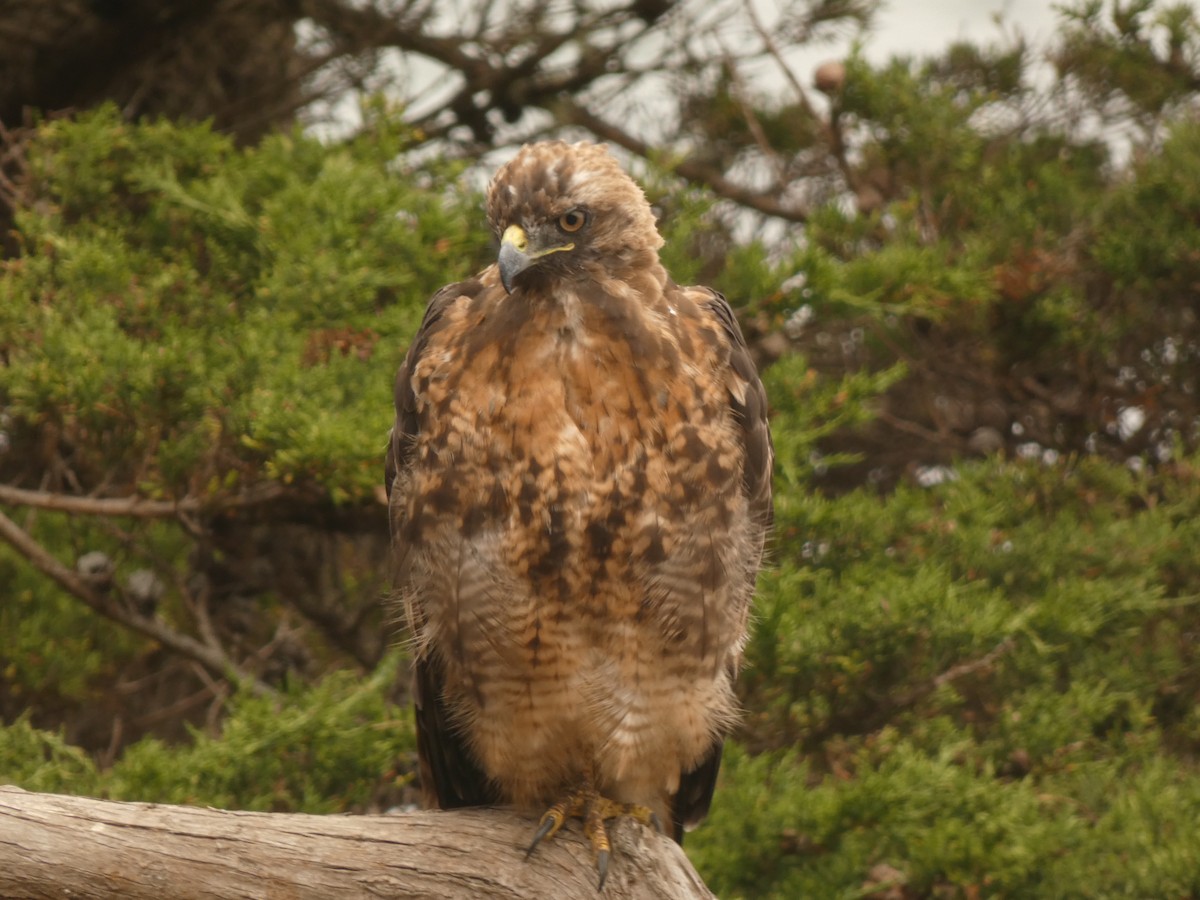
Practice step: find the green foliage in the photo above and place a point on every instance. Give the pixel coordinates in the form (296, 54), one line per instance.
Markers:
(998, 249)
(919, 120)
(240, 304)
(323, 749)
(808, 408)
(41, 761)
(319, 750)
(986, 683)
(1158, 209)
(1131, 56)
(936, 823)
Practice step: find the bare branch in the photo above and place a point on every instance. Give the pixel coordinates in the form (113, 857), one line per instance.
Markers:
(693, 170)
(952, 674)
(357, 28)
(975, 665)
(742, 97)
(772, 49)
(832, 128)
(136, 507)
(211, 656)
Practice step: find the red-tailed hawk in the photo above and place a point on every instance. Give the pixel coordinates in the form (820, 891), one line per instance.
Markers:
(580, 484)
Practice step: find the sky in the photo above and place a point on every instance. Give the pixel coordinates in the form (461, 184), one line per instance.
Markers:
(926, 26)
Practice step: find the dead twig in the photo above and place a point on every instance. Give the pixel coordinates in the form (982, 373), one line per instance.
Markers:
(136, 507)
(692, 169)
(211, 656)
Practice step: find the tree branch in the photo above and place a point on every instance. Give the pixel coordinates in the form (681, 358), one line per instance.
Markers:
(53, 846)
(571, 112)
(136, 507)
(955, 672)
(211, 656)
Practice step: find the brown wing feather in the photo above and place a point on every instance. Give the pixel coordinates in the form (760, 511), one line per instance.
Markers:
(690, 804)
(450, 777)
(751, 416)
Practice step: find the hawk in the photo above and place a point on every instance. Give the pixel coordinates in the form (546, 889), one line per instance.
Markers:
(580, 487)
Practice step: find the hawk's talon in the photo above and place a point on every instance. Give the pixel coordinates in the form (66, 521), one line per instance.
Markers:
(602, 867)
(552, 820)
(586, 803)
(595, 808)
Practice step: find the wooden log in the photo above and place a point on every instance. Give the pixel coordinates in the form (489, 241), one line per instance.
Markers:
(58, 846)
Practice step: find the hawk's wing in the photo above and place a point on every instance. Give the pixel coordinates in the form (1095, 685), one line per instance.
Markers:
(750, 412)
(450, 778)
(748, 404)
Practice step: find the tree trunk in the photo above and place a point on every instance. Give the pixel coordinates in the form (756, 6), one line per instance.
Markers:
(56, 846)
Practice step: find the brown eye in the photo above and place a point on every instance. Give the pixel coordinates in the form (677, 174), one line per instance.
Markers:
(572, 220)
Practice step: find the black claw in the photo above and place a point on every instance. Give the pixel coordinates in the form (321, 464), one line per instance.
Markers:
(656, 822)
(544, 829)
(602, 866)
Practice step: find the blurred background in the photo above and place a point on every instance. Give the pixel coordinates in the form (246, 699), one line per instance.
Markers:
(963, 240)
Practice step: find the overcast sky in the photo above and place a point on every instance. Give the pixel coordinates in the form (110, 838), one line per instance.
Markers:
(926, 26)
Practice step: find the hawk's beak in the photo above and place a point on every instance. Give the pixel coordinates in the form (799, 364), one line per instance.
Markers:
(513, 258)
(516, 255)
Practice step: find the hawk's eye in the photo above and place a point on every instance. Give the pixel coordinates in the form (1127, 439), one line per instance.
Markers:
(572, 220)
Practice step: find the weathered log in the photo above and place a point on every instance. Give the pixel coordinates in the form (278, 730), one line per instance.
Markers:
(58, 846)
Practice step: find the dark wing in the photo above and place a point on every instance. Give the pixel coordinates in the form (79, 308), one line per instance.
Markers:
(751, 416)
(449, 776)
(690, 804)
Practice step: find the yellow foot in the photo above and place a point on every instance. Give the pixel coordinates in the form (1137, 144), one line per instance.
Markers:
(586, 803)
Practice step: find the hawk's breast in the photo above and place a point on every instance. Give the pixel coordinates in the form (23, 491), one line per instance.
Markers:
(575, 497)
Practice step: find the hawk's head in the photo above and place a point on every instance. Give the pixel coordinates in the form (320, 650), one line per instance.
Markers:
(559, 207)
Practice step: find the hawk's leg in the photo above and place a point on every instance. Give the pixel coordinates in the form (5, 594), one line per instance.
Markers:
(586, 803)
